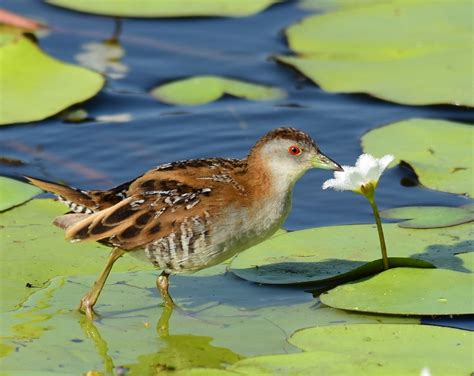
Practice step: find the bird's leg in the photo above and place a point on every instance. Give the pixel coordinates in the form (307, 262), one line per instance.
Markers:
(162, 285)
(88, 301)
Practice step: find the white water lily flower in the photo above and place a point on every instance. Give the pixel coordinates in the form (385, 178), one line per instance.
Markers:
(367, 171)
(363, 178)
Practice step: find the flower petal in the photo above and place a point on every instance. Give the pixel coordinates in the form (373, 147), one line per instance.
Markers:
(365, 162)
(367, 169)
(385, 161)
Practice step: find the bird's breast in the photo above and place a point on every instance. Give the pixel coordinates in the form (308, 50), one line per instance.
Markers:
(200, 242)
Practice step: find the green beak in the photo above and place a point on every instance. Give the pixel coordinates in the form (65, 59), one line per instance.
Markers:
(324, 162)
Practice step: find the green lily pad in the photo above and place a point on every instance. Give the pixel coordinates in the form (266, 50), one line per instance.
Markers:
(326, 363)
(167, 8)
(337, 4)
(398, 340)
(34, 251)
(341, 52)
(410, 346)
(467, 261)
(369, 350)
(37, 85)
(407, 291)
(205, 89)
(336, 252)
(429, 216)
(14, 192)
(439, 151)
(243, 319)
(9, 34)
(205, 372)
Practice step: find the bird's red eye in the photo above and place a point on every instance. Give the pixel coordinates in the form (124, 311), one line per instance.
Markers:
(294, 150)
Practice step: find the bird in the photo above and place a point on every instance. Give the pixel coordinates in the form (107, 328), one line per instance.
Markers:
(188, 215)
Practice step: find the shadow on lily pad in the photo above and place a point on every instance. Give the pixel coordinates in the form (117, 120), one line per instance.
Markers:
(359, 270)
(326, 254)
(448, 255)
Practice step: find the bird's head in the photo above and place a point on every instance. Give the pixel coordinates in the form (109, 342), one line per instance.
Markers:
(288, 153)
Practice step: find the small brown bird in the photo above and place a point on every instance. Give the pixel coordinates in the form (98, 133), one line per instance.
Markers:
(189, 215)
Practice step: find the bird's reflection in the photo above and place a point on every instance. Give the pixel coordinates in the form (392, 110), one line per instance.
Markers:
(91, 332)
(173, 351)
(163, 325)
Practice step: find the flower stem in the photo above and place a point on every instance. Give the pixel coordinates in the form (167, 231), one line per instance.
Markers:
(383, 247)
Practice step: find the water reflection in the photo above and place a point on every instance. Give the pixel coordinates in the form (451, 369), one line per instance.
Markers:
(91, 332)
(162, 327)
(105, 56)
(172, 352)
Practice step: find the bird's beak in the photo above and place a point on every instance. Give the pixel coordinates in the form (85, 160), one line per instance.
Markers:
(324, 162)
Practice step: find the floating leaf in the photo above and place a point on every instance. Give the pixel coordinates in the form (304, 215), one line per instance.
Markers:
(75, 116)
(407, 291)
(205, 372)
(429, 216)
(336, 4)
(428, 347)
(167, 8)
(14, 192)
(326, 363)
(439, 151)
(35, 86)
(341, 52)
(38, 252)
(396, 340)
(409, 348)
(9, 34)
(467, 261)
(205, 89)
(328, 253)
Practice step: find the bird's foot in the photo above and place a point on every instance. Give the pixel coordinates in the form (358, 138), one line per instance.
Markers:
(86, 306)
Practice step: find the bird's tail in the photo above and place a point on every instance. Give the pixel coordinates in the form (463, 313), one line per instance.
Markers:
(77, 200)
